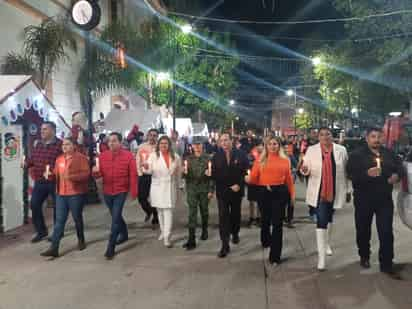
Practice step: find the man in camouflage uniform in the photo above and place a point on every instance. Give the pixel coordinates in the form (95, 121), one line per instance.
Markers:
(199, 190)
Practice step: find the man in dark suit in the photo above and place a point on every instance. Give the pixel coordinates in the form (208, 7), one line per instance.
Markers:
(229, 166)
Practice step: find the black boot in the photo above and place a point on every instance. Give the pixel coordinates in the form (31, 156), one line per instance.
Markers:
(51, 252)
(191, 242)
(109, 254)
(205, 234)
(81, 245)
(224, 251)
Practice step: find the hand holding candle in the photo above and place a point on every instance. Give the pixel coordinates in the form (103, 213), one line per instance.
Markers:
(185, 167)
(209, 168)
(47, 172)
(378, 162)
(23, 161)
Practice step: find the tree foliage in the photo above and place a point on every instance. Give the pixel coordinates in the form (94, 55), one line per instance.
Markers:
(152, 47)
(44, 48)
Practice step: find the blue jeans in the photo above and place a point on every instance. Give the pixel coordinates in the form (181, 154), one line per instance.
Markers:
(324, 214)
(64, 204)
(41, 191)
(115, 204)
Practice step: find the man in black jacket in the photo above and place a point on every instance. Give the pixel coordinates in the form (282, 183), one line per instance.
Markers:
(229, 167)
(373, 171)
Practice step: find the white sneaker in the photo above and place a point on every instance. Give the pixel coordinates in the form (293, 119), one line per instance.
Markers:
(160, 236)
(329, 251)
(167, 242)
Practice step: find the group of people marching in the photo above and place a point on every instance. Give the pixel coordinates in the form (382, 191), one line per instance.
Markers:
(155, 173)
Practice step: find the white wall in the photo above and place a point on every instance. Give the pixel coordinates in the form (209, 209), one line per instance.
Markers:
(65, 94)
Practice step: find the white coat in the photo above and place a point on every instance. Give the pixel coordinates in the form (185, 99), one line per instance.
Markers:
(165, 181)
(313, 161)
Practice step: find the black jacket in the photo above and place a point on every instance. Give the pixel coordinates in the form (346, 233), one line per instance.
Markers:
(362, 159)
(226, 175)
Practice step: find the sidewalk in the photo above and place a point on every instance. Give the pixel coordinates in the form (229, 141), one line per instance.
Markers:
(144, 274)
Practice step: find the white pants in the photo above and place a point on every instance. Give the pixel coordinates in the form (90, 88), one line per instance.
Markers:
(165, 222)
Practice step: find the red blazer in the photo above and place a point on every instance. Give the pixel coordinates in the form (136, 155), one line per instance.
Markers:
(119, 172)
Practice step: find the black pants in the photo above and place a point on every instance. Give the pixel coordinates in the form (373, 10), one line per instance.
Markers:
(290, 210)
(145, 182)
(273, 213)
(382, 208)
(229, 216)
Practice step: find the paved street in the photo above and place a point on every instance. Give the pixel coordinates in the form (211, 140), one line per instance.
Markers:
(144, 274)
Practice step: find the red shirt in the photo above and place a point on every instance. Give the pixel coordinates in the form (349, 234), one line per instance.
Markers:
(42, 155)
(119, 172)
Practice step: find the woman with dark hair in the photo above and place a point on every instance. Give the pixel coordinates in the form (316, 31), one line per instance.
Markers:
(165, 168)
(324, 163)
(272, 172)
(72, 174)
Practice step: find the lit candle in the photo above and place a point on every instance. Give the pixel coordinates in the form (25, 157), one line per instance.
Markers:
(378, 162)
(185, 166)
(248, 172)
(47, 171)
(209, 167)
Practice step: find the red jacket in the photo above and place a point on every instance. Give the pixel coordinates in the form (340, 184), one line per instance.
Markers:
(119, 172)
(72, 174)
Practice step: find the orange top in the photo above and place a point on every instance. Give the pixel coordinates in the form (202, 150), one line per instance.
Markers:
(166, 157)
(275, 172)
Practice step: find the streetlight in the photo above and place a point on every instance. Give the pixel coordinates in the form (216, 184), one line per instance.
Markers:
(186, 29)
(301, 110)
(162, 76)
(232, 102)
(316, 61)
(289, 93)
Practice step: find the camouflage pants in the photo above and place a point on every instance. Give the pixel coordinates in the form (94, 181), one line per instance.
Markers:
(197, 200)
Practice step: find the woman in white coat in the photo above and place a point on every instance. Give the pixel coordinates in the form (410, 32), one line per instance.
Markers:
(165, 168)
(325, 164)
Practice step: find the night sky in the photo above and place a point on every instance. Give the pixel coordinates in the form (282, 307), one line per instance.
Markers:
(285, 10)
(252, 92)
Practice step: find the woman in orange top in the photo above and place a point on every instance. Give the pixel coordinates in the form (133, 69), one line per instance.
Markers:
(273, 173)
(72, 174)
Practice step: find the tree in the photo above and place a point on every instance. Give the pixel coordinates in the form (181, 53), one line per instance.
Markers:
(44, 48)
(388, 61)
(155, 47)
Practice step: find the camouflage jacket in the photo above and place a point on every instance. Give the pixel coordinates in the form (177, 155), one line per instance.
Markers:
(196, 179)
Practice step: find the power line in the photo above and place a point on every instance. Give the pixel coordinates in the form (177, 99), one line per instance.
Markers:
(310, 21)
(287, 38)
(216, 54)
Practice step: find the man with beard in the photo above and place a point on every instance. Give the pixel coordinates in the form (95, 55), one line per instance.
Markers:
(373, 171)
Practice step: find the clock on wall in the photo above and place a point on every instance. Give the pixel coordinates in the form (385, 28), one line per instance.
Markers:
(86, 14)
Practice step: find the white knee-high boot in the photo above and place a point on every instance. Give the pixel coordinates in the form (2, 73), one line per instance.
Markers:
(167, 228)
(161, 222)
(328, 240)
(321, 241)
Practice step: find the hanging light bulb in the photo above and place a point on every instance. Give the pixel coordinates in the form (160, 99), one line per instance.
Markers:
(120, 56)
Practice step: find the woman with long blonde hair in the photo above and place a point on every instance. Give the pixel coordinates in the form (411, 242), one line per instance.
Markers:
(272, 172)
